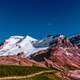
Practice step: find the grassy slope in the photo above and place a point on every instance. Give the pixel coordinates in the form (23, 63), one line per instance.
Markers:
(10, 70)
(46, 76)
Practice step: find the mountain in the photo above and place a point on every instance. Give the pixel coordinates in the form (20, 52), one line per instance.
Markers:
(56, 52)
(26, 45)
(19, 44)
(65, 57)
(75, 39)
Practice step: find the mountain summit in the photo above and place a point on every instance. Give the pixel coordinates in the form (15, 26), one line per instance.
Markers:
(28, 45)
(19, 44)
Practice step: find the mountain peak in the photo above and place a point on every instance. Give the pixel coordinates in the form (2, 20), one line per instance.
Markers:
(28, 45)
(61, 36)
(30, 38)
(19, 44)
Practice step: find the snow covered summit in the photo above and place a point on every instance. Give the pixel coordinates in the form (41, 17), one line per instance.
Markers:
(19, 44)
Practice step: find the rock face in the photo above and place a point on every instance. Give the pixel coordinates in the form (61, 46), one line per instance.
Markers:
(65, 56)
(75, 39)
(17, 60)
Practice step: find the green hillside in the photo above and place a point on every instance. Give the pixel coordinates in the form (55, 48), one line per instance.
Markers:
(45, 76)
(11, 70)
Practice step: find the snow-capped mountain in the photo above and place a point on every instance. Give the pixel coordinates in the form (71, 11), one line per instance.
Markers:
(58, 52)
(19, 44)
(27, 45)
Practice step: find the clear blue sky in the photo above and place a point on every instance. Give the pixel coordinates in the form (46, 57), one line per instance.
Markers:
(39, 18)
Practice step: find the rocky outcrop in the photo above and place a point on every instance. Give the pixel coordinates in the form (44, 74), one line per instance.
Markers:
(64, 57)
(17, 60)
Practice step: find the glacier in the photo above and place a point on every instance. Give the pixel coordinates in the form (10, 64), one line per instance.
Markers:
(20, 44)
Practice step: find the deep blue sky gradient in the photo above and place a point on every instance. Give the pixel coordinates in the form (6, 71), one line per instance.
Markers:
(39, 18)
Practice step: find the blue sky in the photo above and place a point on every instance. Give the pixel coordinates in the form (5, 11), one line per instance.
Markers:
(39, 18)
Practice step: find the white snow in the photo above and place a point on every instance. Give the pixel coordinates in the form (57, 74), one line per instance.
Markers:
(18, 44)
(61, 36)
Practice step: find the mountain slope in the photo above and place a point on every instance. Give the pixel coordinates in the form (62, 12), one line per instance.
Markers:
(19, 44)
